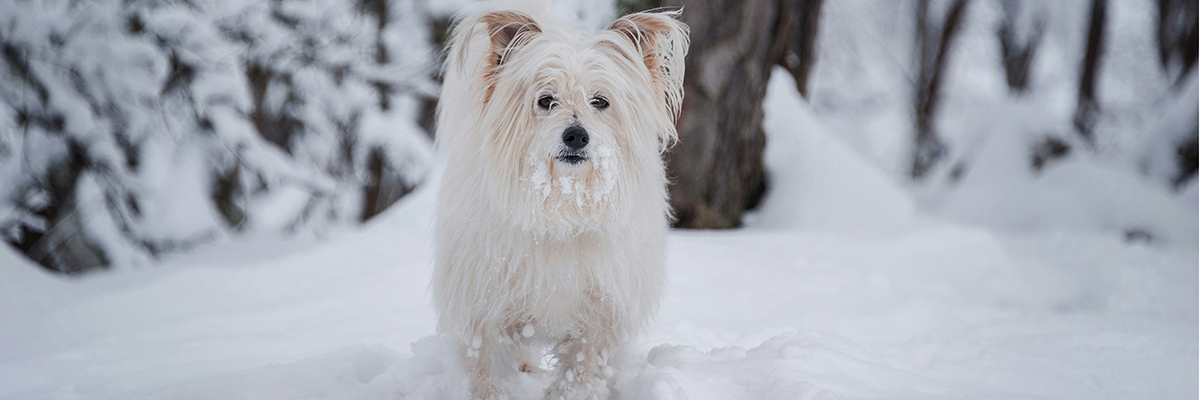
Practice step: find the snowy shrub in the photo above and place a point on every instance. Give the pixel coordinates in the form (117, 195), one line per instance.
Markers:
(129, 129)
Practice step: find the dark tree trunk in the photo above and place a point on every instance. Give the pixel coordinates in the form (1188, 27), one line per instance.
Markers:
(716, 168)
(1018, 51)
(1089, 108)
(1177, 36)
(1186, 160)
(228, 196)
(796, 38)
(933, 49)
(1177, 45)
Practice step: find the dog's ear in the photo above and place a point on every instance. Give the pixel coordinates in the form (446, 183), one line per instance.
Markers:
(502, 32)
(507, 31)
(662, 41)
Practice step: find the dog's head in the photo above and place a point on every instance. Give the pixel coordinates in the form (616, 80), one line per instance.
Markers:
(566, 126)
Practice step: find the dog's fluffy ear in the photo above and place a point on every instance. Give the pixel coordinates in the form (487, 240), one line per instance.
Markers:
(663, 42)
(508, 31)
(505, 33)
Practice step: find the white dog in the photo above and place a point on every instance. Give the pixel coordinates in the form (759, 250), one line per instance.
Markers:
(553, 209)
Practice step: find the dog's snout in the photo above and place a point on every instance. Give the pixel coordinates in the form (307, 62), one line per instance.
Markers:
(575, 137)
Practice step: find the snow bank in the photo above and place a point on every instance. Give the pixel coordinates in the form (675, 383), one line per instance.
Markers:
(1079, 194)
(815, 180)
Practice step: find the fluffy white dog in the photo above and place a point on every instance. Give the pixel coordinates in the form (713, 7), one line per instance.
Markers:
(553, 208)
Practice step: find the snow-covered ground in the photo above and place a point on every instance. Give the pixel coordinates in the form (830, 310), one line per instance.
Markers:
(840, 287)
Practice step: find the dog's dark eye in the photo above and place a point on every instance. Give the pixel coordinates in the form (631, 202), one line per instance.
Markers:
(545, 102)
(600, 103)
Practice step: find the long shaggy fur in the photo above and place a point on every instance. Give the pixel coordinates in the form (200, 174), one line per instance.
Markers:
(534, 253)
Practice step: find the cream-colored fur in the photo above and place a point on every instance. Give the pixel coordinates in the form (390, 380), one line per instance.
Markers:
(535, 254)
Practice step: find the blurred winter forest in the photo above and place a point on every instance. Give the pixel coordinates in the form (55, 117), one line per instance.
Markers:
(134, 129)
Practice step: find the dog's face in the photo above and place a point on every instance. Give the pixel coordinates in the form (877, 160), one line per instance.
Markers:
(578, 140)
(568, 125)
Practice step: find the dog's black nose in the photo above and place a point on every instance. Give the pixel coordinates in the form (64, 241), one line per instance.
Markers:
(575, 137)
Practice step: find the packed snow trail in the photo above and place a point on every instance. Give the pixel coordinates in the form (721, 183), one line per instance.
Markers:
(838, 288)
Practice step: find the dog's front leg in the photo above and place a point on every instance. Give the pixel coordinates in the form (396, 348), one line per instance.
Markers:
(494, 356)
(483, 357)
(583, 361)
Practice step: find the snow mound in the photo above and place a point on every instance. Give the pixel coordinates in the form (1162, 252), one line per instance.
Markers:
(815, 180)
(1080, 193)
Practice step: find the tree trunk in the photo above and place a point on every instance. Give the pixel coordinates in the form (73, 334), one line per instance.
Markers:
(1016, 48)
(1089, 108)
(1177, 45)
(796, 38)
(1177, 37)
(933, 50)
(716, 168)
